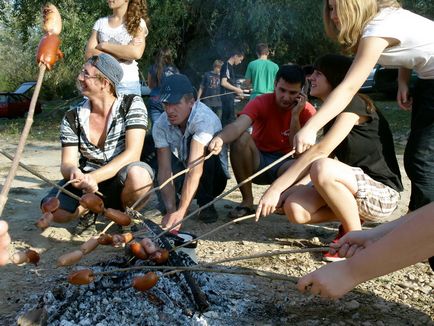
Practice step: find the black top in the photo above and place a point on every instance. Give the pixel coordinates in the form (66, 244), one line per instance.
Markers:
(211, 87)
(227, 71)
(369, 146)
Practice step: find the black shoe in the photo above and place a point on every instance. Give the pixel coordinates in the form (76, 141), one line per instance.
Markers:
(86, 225)
(208, 215)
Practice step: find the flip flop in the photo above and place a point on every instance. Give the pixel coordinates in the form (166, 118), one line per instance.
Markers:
(240, 211)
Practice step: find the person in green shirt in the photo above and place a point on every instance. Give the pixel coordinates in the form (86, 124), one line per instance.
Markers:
(261, 72)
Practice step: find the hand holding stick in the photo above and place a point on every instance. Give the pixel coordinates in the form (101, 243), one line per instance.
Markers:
(226, 193)
(47, 55)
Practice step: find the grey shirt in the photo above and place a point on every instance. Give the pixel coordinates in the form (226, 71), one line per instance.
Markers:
(202, 125)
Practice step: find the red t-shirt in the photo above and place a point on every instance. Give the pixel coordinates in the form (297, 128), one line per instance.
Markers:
(271, 124)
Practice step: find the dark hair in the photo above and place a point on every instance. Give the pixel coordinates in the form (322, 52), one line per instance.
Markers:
(262, 49)
(308, 69)
(164, 58)
(334, 67)
(237, 52)
(291, 73)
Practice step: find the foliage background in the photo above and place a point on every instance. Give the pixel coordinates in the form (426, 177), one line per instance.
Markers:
(198, 31)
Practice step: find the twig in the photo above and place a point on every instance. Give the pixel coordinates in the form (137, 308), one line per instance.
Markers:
(22, 141)
(198, 161)
(226, 193)
(40, 176)
(214, 230)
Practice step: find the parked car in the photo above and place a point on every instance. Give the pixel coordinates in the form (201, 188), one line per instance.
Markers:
(384, 80)
(16, 104)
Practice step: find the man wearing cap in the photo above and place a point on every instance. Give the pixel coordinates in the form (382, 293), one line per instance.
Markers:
(106, 133)
(181, 136)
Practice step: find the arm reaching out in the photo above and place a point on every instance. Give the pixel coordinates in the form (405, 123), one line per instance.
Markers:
(5, 240)
(367, 56)
(411, 236)
(229, 133)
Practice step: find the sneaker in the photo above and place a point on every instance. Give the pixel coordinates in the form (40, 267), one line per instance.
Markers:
(327, 256)
(208, 215)
(86, 225)
(331, 258)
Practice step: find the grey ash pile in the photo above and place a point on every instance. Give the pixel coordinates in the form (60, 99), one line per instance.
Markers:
(111, 300)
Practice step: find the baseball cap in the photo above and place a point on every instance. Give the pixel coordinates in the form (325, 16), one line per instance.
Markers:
(109, 66)
(174, 88)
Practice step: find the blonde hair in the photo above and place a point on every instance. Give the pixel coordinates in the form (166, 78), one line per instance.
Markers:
(353, 16)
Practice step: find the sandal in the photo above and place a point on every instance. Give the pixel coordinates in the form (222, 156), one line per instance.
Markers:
(240, 211)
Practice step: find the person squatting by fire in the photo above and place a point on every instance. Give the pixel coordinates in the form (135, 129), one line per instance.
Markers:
(107, 131)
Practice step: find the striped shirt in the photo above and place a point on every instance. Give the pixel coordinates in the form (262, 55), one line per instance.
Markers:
(93, 157)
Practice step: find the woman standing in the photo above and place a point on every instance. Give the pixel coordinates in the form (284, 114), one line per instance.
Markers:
(159, 71)
(363, 185)
(122, 35)
(381, 31)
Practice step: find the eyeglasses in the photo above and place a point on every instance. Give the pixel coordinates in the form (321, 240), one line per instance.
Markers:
(86, 75)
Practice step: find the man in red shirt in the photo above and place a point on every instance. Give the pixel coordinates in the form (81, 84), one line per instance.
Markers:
(275, 118)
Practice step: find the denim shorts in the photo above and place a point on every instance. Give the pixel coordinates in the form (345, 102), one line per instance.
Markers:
(111, 189)
(270, 175)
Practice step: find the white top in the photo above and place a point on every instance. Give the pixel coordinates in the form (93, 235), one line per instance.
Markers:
(202, 125)
(416, 40)
(120, 35)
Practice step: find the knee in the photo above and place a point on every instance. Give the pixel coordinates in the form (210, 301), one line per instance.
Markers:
(322, 172)
(138, 175)
(295, 212)
(241, 143)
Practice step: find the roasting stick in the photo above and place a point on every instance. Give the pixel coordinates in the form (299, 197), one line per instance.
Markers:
(176, 269)
(239, 219)
(196, 162)
(226, 193)
(48, 181)
(260, 255)
(40, 176)
(218, 95)
(26, 130)
(47, 54)
(205, 267)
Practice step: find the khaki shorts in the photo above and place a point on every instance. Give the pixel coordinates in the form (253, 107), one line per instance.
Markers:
(374, 199)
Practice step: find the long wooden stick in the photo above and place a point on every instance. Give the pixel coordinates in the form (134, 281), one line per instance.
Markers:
(245, 94)
(40, 176)
(175, 269)
(201, 267)
(23, 138)
(239, 219)
(198, 161)
(226, 193)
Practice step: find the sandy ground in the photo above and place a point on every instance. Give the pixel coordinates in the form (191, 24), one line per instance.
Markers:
(404, 297)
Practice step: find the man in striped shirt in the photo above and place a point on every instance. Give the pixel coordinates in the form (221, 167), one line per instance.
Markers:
(106, 132)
